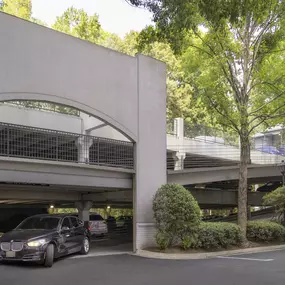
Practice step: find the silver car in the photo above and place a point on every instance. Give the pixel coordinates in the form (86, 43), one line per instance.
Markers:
(97, 225)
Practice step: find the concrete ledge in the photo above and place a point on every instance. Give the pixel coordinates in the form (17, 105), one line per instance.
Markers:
(205, 255)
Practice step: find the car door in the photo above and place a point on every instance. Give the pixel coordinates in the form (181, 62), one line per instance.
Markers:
(67, 236)
(78, 232)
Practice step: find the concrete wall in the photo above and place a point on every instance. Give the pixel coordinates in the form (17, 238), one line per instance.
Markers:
(19, 115)
(39, 119)
(42, 64)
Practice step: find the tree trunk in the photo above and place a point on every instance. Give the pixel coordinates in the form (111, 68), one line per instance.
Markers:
(242, 189)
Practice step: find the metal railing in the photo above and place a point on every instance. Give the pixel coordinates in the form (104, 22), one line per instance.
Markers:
(209, 134)
(36, 143)
(171, 126)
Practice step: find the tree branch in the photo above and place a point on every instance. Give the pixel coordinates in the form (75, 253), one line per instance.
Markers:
(234, 125)
(267, 103)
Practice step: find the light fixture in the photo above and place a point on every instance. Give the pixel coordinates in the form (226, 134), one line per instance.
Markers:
(108, 207)
(51, 206)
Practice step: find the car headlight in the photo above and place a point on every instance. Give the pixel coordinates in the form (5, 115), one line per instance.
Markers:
(36, 243)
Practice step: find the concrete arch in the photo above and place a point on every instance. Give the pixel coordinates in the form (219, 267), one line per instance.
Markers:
(40, 97)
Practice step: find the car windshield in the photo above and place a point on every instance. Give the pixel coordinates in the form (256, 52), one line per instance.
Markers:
(36, 223)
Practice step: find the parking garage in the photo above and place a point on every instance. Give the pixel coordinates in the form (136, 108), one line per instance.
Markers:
(108, 151)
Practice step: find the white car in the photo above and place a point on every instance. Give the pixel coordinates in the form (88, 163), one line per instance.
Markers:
(97, 225)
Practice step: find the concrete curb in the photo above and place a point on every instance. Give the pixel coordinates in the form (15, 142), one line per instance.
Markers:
(206, 255)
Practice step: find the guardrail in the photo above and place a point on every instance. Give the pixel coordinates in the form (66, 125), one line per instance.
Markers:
(36, 143)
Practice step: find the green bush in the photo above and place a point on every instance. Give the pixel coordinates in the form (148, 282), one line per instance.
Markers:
(162, 240)
(188, 241)
(265, 231)
(176, 212)
(218, 235)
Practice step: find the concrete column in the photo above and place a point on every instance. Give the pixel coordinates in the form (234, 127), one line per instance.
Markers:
(150, 150)
(83, 208)
(179, 127)
(179, 158)
(83, 144)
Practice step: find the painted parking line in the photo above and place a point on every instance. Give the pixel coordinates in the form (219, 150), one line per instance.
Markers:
(244, 258)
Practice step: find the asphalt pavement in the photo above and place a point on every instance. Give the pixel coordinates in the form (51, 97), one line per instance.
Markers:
(251, 269)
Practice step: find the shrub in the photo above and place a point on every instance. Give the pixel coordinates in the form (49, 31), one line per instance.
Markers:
(162, 240)
(265, 231)
(218, 235)
(176, 212)
(188, 241)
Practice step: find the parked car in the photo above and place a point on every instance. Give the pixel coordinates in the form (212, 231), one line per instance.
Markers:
(124, 222)
(43, 238)
(269, 186)
(97, 225)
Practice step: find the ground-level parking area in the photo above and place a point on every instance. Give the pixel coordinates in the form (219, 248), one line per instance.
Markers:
(125, 269)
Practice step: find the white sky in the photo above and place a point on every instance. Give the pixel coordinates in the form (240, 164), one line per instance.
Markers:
(115, 16)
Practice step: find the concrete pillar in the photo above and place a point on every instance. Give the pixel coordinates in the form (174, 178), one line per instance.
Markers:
(83, 144)
(150, 150)
(179, 127)
(179, 158)
(83, 208)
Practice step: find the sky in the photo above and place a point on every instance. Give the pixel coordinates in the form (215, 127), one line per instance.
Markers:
(115, 16)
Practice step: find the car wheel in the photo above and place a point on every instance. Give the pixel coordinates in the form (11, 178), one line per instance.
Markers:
(85, 246)
(49, 256)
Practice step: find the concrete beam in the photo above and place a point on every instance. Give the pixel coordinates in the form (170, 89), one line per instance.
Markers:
(214, 174)
(61, 173)
(65, 196)
(224, 197)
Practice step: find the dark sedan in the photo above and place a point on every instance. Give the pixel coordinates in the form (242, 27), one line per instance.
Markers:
(43, 238)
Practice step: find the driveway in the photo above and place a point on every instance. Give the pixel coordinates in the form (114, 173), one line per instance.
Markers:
(261, 269)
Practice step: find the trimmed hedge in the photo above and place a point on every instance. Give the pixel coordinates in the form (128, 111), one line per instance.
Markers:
(218, 235)
(177, 215)
(265, 231)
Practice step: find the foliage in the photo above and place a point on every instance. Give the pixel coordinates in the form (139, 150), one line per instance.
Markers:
(19, 8)
(228, 48)
(176, 212)
(103, 212)
(77, 23)
(188, 241)
(265, 231)
(218, 235)
(276, 199)
(162, 240)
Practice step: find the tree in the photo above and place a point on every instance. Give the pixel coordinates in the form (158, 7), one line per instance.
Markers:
(233, 42)
(276, 199)
(77, 23)
(19, 8)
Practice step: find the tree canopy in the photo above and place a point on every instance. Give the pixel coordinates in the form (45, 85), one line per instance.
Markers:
(77, 23)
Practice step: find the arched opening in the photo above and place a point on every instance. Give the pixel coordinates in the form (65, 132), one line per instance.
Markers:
(49, 131)
(45, 131)
(73, 105)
